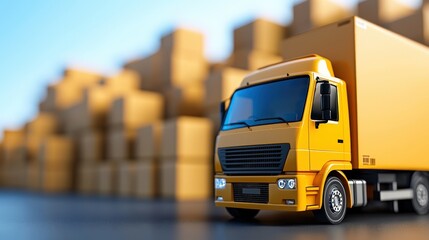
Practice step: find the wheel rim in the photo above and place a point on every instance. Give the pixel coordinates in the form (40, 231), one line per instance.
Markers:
(422, 195)
(336, 200)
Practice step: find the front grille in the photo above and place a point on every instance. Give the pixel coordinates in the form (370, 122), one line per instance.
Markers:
(250, 192)
(258, 159)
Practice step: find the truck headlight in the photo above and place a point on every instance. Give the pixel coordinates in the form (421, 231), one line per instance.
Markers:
(220, 183)
(286, 183)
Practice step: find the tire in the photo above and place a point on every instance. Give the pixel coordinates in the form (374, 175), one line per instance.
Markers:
(420, 201)
(334, 203)
(242, 214)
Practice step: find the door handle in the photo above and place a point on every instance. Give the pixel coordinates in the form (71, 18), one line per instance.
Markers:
(340, 140)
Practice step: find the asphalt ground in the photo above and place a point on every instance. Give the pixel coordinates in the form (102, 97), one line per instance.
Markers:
(36, 216)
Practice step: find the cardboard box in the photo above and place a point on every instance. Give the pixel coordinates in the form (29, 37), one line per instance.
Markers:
(107, 178)
(32, 145)
(71, 118)
(122, 83)
(149, 71)
(147, 179)
(136, 109)
(364, 56)
(81, 77)
(187, 101)
(261, 35)
(56, 181)
(120, 143)
(252, 59)
(182, 181)
(12, 139)
(220, 85)
(183, 42)
(414, 26)
(382, 12)
(181, 70)
(94, 108)
(127, 178)
(56, 153)
(87, 178)
(92, 146)
(42, 125)
(148, 141)
(33, 178)
(315, 13)
(187, 136)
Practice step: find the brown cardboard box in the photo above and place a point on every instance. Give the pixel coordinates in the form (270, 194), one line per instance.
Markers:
(92, 146)
(183, 42)
(220, 85)
(120, 143)
(315, 13)
(252, 59)
(183, 181)
(81, 77)
(414, 26)
(122, 83)
(71, 118)
(187, 101)
(127, 178)
(381, 12)
(12, 139)
(148, 141)
(149, 70)
(56, 181)
(94, 108)
(87, 178)
(56, 153)
(42, 125)
(261, 35)
(63, 94)
(147, 179)
(32, 145)
(107, 178)
(136, 109)
(187, 136)
(33, 179)
(182, 70)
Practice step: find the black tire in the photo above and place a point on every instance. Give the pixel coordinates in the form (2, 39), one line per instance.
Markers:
(334, 203)
(242, 214)
(420, 201)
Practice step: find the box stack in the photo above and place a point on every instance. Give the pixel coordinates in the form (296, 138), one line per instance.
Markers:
(149, 71)
(57, 162)
(13, 141)
(147, 152)
(219, 87)
(184, 70)
(382, 12)
(256, 44)
(186, 154)
(315, 13)
(127, 114)
(42, 126)
(419, 20)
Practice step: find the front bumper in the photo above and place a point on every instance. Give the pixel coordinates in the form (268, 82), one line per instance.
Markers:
(304, 195)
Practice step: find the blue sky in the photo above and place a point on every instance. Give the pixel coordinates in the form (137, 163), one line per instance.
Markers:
(39, 38)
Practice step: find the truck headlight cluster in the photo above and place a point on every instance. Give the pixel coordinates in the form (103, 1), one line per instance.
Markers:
(220, 183)
(289, 183)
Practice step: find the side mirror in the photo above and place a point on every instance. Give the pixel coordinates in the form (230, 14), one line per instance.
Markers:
(222, 107)
(325, 92)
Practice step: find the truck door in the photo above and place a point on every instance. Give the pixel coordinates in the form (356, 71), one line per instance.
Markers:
(326, 139)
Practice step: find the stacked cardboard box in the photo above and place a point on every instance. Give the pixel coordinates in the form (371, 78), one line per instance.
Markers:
(186, 154)
(127, 114)
(12, 147)
(419, 20)
(315, 13)
(149, 71)
(57, 161)
(382, 12)
(256, 44)
(42, 126)
(147, 152)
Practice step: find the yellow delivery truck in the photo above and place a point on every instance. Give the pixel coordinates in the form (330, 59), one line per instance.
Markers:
(345, 121)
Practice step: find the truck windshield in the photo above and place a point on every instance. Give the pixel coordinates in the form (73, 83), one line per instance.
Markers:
(273, 102)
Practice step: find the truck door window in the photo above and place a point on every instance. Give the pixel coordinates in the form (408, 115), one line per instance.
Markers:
(316, 112)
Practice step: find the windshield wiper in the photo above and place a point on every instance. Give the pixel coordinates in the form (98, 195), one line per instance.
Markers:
(242, 123)
(273, 118)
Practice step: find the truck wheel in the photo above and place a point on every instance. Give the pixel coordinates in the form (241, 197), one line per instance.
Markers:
(334, 202)
(242, 214)
(420, 186)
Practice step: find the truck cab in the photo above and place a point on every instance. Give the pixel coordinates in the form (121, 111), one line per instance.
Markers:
(285, 135)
